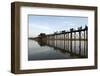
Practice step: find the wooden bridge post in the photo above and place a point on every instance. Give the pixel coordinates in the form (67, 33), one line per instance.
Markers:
(54, 39)
(84, 42)
(68, 42)
(80, 40)
(75, 42)
(47, 39)
(71, 30)
(87, 42)
(64, 39)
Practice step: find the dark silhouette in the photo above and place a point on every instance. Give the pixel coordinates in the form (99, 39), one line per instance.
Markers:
(45, 39)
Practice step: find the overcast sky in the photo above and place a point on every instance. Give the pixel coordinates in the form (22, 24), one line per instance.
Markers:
(50, 24)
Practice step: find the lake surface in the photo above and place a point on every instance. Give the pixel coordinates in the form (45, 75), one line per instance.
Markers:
(57, 49)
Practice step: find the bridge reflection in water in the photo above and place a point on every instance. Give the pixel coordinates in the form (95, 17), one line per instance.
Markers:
(75, 47)
(73, 43)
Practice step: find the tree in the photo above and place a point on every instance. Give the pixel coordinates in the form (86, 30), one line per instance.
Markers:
(63, 31)
(71, 29)
(42, 35)
(86, 27)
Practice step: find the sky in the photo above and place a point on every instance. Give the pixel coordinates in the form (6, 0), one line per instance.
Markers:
(50, 24)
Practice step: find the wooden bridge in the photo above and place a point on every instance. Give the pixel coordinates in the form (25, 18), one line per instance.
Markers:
(79, 34)
(73, 41)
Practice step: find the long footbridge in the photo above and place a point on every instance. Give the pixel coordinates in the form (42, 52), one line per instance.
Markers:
(79, 34)
(73, 41)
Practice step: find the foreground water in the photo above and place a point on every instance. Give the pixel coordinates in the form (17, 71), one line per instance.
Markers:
(57, 49)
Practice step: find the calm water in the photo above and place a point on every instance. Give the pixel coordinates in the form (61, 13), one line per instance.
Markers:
(57, 49)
